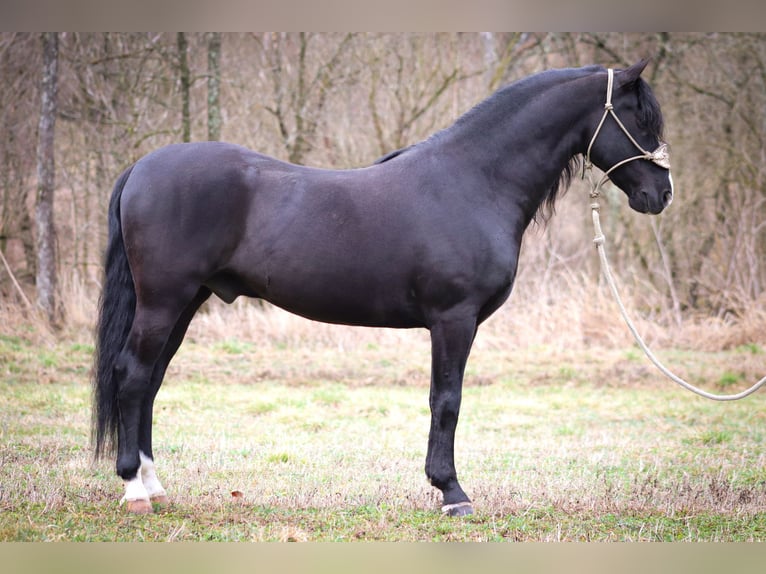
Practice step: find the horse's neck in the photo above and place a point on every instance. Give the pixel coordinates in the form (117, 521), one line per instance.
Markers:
(527, 143)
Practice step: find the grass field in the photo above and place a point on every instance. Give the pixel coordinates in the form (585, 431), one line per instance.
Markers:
(321, 432)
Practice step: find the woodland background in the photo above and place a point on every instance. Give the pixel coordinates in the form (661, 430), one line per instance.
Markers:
(695, 275)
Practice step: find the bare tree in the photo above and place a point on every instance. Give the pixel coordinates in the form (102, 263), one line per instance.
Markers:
(515, 48)
(19, 53)
(300, 95)
(184, 75)
(341, 99)
(214, 86)
(409, 79)
(46, 231)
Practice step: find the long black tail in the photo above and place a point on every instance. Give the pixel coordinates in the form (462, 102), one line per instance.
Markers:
(116, 309)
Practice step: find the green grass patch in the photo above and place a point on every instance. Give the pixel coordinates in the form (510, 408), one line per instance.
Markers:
(234, 347)
(328, 445)
(729, 379)
(752, 348)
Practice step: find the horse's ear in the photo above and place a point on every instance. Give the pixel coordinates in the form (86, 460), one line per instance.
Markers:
(628, 76)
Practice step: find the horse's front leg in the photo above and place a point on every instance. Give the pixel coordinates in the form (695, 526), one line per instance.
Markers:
(451, 341)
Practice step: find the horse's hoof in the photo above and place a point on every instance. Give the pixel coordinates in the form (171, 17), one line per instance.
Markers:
(160, 500)
(459, 509)
(140, 507)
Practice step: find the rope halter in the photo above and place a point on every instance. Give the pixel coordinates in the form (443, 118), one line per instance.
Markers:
(660, 156)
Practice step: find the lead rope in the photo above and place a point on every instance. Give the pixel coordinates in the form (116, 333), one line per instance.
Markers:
(599, 240)
(659, 157)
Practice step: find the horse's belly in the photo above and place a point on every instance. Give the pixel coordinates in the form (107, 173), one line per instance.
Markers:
(348, 303)
(349, 315)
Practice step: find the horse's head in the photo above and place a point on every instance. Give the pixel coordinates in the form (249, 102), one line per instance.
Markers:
(627, 141)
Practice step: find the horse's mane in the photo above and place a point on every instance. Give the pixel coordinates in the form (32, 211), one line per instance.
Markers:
(522, 90)
(650, 116)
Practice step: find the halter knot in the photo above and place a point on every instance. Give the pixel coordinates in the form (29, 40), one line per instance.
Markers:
(660, 156)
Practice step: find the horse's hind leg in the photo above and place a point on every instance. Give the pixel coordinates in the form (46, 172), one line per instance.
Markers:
(149, 478)
(151, 330)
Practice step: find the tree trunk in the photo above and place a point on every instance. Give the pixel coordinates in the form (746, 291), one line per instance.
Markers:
(185, 77)
(213, 86)
(46, 232)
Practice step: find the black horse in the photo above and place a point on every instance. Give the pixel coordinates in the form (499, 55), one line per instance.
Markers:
(428, 236)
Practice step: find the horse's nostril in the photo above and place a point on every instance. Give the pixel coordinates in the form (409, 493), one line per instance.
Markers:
(667, 197)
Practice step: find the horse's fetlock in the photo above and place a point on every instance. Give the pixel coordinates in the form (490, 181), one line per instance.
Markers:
(128, 467)
(443, 480)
